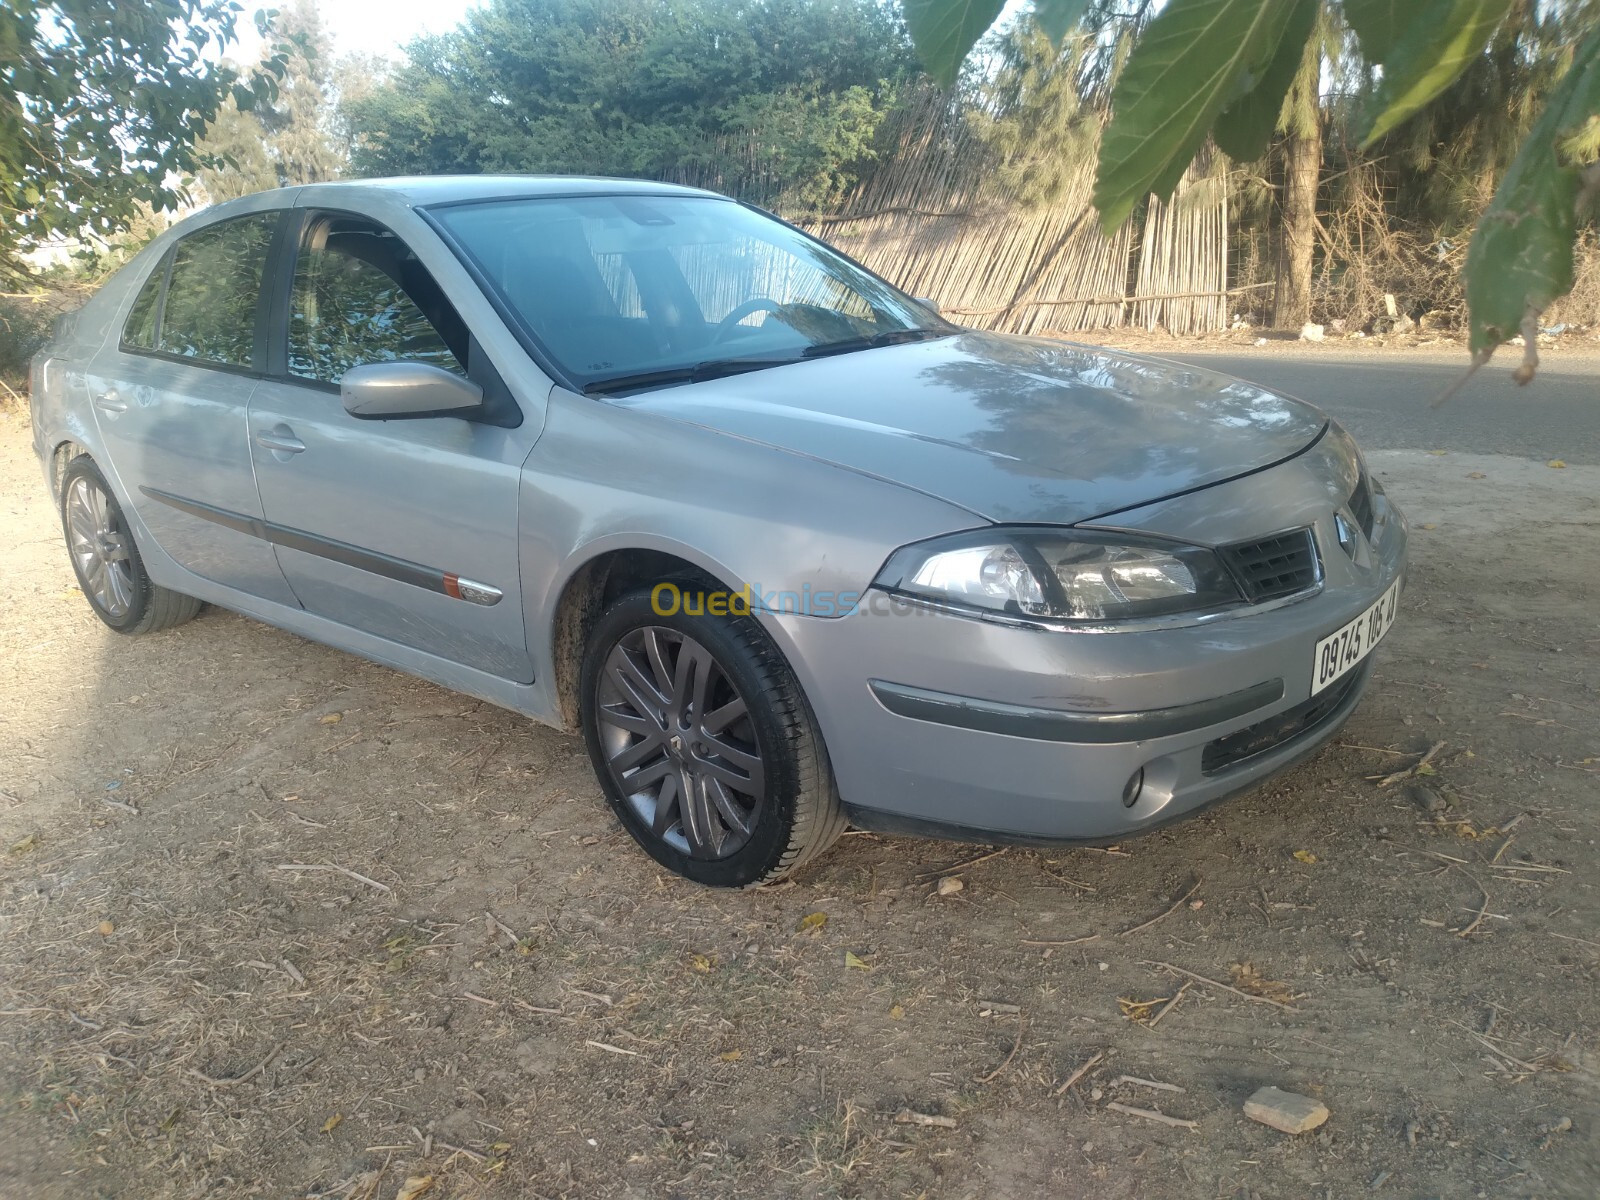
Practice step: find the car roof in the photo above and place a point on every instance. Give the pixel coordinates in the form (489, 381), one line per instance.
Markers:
(446, 189)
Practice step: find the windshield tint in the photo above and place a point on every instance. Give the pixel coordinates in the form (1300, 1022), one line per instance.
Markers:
(669, 288)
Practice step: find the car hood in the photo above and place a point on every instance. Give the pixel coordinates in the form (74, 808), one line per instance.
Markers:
(1009, 428)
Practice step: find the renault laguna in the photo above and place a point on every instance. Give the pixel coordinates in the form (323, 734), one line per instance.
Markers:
(792, 551)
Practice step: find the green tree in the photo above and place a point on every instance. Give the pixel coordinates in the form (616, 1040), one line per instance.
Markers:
(711, 88)
(101, 103)
(289, 140)
(1223, 69)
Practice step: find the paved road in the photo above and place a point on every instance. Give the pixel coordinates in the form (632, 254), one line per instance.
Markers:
(1384, 400)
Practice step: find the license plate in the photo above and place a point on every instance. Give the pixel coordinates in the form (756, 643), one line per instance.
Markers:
(1343, 649)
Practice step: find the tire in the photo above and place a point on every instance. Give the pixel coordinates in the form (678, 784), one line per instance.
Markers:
(729, 728)
(106, 560)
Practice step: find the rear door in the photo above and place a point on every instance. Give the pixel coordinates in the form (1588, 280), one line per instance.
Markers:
(171, 395)
(383, 525)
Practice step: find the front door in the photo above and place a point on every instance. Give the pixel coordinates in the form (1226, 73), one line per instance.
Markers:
(406, 529)
(170, 396)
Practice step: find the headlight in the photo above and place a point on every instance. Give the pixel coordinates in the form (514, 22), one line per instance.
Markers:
(1061, 576)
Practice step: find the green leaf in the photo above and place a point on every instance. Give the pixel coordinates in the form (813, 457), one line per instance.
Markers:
(1196, 57)
(1244, 128)
(1057, 17)
(944, 30)
(1520, 259)
(1442, 39)
(1379, 24)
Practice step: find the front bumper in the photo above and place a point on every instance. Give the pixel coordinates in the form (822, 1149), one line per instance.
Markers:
(943, 725)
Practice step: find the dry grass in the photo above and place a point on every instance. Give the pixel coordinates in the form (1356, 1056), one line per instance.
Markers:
(533, 1009)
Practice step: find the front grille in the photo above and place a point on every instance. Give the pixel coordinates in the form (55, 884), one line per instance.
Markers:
(1277, 566)
(1361, 504)
(1276, 730)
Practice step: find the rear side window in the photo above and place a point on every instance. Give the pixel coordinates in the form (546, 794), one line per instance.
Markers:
(215, 290)
(140, 331)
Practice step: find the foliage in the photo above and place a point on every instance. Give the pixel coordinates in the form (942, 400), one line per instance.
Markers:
(24, 326)
(1222, 69)
(101, 103)
(1521, 256)
(287, 140)
(639, 87)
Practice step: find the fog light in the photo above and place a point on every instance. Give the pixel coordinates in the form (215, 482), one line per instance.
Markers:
(1131, 789)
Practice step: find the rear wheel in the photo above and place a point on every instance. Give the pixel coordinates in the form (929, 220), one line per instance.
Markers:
(704, 744)
(106, 560)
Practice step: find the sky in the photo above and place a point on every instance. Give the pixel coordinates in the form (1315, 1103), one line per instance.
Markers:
(367, 26)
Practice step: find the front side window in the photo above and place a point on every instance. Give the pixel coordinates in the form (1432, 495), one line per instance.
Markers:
(361, 296)
(633, 291)
(214, 291)
(139, 332)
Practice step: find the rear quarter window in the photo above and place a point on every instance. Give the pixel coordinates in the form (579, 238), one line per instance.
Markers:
(139, 332)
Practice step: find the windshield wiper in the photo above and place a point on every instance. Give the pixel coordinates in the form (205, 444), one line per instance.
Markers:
(891, 337)
(716, 368)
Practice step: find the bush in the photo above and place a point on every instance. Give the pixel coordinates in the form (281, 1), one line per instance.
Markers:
(25, 321)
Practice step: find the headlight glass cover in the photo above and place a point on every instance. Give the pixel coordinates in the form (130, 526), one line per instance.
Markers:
(1062, 575)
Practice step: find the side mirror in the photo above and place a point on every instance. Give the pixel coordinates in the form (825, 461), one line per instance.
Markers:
(390, 391)
(930, 303)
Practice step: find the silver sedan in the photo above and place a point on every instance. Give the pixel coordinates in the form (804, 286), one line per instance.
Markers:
(792, 551)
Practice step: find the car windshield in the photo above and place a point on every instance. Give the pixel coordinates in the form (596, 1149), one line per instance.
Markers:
(631, 292)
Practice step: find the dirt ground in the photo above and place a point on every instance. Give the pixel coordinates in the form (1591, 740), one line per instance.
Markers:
(278, 922)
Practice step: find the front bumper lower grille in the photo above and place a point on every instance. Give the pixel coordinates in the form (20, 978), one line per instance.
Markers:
(1279, 728)
(1274, 567)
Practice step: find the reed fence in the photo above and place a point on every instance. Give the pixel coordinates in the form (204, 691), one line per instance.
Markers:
(933, 218)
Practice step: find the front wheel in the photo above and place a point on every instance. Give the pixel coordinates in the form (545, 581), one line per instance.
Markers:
(705, 745)
(106, 560)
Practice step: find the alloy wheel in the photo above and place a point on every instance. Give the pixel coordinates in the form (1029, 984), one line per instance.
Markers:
(679, 743)
(100, 548)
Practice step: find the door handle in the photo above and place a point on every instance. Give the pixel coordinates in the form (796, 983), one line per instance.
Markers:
(109, 401)
(280, 439)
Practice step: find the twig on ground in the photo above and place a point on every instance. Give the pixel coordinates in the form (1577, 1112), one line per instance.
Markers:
(474, 1155)
(1168, 1006)
(483, 1000)
(1212, 983)
(534, 1008)
(382, 887)
(110, 803)
(1408, 772)
(1093, 937)
(1080, 1072)
(1374, 749)
(1149, 1083)
(610, 1049)
(908, 1116)
(1151, 1115)
(1482, 912)
(965, 863)
(292, 971)
(1581, 941)
(1022, 1027)
(238, 1079)
(1176, 905)
(496, 923)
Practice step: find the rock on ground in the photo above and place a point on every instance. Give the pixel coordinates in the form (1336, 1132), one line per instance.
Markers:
(1287, 1111)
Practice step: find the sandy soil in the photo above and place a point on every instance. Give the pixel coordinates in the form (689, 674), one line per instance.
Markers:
(277, 922)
